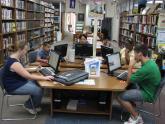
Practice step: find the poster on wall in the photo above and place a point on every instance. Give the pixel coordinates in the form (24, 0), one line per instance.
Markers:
(161, 40)
(72, 4)
(96, 8)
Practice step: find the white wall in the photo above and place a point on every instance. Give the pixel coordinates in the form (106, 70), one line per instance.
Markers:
(112, 13)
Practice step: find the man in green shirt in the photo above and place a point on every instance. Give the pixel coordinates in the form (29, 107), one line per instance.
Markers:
(148, 80)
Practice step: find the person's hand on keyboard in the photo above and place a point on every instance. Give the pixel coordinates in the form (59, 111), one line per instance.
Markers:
(49, 78)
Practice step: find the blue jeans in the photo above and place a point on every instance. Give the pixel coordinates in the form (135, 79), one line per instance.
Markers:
(132, 95)
(30, 88)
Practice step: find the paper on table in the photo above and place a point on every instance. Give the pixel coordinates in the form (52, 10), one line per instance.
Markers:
(87, 82)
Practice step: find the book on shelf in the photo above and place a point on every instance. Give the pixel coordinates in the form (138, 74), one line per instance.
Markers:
(7, 42)
(20, 14)
(20, 37)
(20, 4)
(7, 3)
(7, 13)
(8, 27)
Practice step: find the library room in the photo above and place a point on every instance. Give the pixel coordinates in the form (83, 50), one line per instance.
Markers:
(82, 61)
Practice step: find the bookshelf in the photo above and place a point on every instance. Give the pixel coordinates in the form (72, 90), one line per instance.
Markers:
(24, 20)
(49, 22)
(35, 23)
(57, 16)
(139, 28)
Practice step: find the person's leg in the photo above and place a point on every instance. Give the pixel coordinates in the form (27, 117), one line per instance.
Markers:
(31, 88)
(127, 97)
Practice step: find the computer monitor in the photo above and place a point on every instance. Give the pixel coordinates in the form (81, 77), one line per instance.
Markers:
(61, 49)
(106, 50)
(114, 62)
(83, 50)
(54, 60)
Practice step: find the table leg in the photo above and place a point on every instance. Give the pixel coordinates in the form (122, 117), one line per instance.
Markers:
(110, 105)
(51, 104)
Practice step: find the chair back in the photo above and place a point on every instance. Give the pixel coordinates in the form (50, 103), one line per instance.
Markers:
(32, 56)
(1, 83)
(162, 83)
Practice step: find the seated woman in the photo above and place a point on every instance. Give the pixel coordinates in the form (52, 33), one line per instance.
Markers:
(127, 54)
(83, 39)
(17, 80)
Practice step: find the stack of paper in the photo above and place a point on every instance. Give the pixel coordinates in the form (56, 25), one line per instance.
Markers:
(72, 105)
(87, 82)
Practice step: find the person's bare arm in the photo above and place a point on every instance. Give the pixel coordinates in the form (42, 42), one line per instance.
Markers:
(41, 60)
(127, 57)
(19, 69)
(131, 65)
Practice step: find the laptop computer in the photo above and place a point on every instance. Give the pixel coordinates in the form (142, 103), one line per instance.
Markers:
(53, 62)
(114, 64)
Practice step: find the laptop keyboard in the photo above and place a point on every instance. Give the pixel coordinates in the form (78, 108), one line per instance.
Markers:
(46, 72)
(123, 76)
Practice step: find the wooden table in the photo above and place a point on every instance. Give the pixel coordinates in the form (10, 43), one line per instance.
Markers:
(102, 83)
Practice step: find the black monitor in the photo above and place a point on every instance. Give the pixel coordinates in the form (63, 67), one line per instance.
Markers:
(114, 62)
(61, 49)
(83, 50)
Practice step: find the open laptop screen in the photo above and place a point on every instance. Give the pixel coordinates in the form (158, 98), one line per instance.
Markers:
(114, 62)
(54, 60)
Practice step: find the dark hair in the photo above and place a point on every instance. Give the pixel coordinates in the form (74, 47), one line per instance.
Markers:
(83, 35)
(129, 42)
(45, 43)
(141, 48)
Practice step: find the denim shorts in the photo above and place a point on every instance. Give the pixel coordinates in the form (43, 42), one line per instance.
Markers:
(132, 95)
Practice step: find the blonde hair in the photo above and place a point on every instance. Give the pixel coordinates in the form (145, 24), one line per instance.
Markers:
(20, 45)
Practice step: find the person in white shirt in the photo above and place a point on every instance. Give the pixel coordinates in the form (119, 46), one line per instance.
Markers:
(127, 54)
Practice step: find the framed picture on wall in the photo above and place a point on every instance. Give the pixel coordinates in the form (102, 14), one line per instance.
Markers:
(80, 16)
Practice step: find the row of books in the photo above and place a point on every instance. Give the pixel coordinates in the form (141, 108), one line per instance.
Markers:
(145, 19)
(7, 42)
(127, 26)
(7, 3)
(127, 33)
(35, 15)
(48, 15)
(47, 4)
(140, 28)
(48, 25)
(49, 20)
(7, 14)
(21, 26)
(47, 29)
(20, 4)
(35, 7)
(34, 44)
(36, 33)
(47, 10)
(146, 29)
(20, 37)
(20, 14)
(149, 41)
(35, 24)
(48, 39)
(8, 27)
